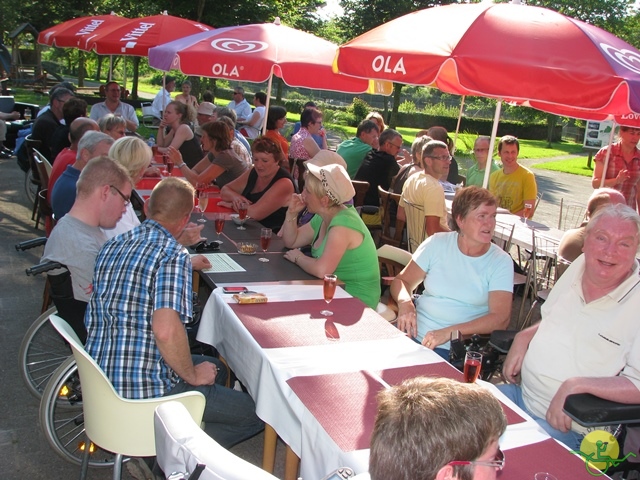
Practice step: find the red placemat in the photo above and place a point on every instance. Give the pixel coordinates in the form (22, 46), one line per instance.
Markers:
(297, 324)
(344, 404)
(546, 456)
(395, 376)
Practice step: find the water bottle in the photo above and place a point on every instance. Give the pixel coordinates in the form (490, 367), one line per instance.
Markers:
(152, 141)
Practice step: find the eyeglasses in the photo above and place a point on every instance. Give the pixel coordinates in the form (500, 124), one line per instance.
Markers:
(442, 158)
(498, 461)
(397, 146)
(127, 200)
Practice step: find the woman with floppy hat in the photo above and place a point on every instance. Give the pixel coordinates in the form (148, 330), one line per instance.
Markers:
(340, 241)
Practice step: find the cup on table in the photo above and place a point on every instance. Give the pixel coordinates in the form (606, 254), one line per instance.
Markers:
(544, 476)
(27, 114)
(472, 366)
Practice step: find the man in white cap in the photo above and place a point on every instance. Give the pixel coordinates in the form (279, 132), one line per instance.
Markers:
(206, 113)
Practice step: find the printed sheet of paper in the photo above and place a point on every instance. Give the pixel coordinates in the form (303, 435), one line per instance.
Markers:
(221, 263)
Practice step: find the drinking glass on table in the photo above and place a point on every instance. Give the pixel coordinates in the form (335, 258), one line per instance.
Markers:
(203, 201)
(528, 211)
(472, 366)
(329, 290)
(219, 220)
(265, 240)
(242, 214)
(169, 164)
(544, 476)
(27, 114)
(165, 158)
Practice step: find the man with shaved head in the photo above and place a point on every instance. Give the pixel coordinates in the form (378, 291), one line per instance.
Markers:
(135, 320)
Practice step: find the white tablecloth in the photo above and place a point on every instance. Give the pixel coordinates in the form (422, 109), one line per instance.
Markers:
(265, 373)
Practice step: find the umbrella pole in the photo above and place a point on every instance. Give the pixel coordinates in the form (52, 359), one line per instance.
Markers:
(164, 88)
(455, 137)
(266, 107)
(110, 67)
(606, 157)
(492, 142)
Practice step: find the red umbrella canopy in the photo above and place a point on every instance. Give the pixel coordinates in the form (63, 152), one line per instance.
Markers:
(138, 35)
(252, 53)
(71, 33)
(515, 52)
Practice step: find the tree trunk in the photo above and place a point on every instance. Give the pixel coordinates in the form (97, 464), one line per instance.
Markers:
(393, 121)
(196, 86)
(99, 69)
(551, 126)
(136, 75)
(81, 70)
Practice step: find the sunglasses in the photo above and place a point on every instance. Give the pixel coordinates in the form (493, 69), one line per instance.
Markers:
(205, 247)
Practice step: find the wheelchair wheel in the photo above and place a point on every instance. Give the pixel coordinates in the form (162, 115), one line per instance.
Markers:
(62, 420)
(30, 186)
(42, 351)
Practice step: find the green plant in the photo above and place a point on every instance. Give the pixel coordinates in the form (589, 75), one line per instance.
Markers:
(344, 118)
(359, 109)
(407, 107)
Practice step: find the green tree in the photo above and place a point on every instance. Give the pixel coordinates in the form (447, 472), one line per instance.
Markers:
(361, 16)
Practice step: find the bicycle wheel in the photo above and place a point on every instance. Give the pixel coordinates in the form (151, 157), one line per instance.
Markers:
(30, 188)
(42, 351)
(62, 420)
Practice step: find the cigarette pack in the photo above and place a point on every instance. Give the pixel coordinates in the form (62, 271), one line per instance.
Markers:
(250, 298)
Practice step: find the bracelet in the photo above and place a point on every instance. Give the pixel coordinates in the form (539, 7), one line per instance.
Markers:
(182, 164)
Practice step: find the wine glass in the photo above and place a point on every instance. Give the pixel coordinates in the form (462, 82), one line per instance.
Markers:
(528, 210)
(165, 159)
(203, 201)
(169, 166)
(242, 214)
(265, 240)
(219, 220)
(472, 366)
(329, 290)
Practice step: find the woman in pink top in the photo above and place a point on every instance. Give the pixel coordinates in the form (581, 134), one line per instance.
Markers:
(303, 146)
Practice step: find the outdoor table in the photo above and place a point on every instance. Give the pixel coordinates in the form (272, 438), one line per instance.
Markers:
(145, 186)
(317, 388)
(277, 269)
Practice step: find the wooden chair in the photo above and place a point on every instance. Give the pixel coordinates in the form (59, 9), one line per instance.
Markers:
(361, 189)
(416, 225)
(32, 181)
(393, 225)
(43, 167)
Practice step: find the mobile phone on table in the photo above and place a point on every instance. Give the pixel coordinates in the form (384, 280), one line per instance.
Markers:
(235, 289)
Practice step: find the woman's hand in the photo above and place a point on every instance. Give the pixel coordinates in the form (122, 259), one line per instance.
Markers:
(296, 205)
(175, 155)
(436, 338)
(293, 255)
(200, 262)
(623, 175)
(237, 201)
(407, 320)
(152, 172)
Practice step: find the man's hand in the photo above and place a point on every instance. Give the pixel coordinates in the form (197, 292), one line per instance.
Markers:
(206, 373)
(555, 415)
(200, 262)
(513, 363)
(191, 234)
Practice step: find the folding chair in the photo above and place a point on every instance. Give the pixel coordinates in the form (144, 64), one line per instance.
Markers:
(571, 215)
(147, 115)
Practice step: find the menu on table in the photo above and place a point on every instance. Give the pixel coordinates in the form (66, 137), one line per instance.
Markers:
(220, 263)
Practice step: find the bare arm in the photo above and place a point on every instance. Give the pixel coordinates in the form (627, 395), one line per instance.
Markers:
(515, 357)
(171, 339)
(252, 120)
(617, 389)
(292, 235)
(402, 288)
(208, 175)
(231, 192)
(311, 146)
(276, 197)
(339, 240)
(433, 225)
(175, 139)
(497, 319)
(598, 172)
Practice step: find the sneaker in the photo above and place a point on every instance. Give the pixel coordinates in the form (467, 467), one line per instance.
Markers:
(5, 155)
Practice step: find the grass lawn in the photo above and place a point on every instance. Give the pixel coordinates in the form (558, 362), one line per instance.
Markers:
(575, 165)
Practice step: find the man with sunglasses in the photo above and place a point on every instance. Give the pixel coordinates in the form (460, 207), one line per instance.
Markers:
(240, 105)
(423, 196)
(435, 429)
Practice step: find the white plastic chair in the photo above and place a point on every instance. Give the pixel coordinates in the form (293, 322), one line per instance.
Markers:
(114, 423)
(181, 445)
(147, 115)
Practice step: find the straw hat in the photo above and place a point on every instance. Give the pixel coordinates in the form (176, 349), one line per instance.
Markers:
(335, 181)
(206, 108)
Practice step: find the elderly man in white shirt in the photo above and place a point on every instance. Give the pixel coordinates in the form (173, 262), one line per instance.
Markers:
(115, 106)
(240, 105)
